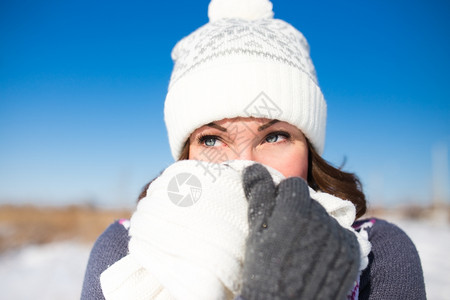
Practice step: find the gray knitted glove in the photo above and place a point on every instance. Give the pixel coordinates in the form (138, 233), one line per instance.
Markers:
(295, 250)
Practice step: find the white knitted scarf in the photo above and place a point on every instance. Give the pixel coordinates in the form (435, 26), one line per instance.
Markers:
(187, 236)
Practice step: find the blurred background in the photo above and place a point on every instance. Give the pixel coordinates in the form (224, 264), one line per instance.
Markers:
(82, 88)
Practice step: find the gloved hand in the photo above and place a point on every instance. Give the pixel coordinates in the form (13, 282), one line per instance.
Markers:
(294, 250)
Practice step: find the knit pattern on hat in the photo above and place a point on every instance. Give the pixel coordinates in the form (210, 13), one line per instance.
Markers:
(269, 39)
(178, 251)
(222, 68)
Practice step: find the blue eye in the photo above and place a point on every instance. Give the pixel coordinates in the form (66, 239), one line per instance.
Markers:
(276, 137)
(209, 140)
(272, 138)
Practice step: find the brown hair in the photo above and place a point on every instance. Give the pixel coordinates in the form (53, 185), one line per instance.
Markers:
(322, 176)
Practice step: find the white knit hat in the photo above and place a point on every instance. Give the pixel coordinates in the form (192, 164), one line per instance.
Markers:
(243, 63)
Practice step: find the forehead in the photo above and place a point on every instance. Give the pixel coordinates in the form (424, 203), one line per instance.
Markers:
(250, 122)
(243, 120)
(237, 125)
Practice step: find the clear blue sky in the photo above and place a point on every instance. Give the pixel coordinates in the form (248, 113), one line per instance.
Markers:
(82, 88)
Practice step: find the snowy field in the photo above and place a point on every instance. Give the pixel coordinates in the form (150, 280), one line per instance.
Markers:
(432, 241)
(55, 271)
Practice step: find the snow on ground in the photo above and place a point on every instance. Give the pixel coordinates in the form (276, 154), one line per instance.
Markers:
(46, 272)
(432, 240)
(55, 271)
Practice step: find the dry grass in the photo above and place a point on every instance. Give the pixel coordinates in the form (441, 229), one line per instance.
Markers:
(22, 225)
(436, 212)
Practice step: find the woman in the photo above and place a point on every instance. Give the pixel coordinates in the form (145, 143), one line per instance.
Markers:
(244, 88)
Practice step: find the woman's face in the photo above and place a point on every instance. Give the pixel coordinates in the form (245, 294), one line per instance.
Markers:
(270, 142)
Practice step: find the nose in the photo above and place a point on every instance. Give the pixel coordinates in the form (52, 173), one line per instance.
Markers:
(245, 153)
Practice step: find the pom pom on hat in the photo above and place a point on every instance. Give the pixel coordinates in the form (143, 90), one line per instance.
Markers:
(240, 9)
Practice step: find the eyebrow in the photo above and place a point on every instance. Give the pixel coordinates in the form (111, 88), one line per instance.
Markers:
(267, 125)
(260, 128)
(214, 125)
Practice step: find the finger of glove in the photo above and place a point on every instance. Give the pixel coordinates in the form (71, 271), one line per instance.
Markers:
(338, 263)
(342, 274)
(259, 190)
(293, 197)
